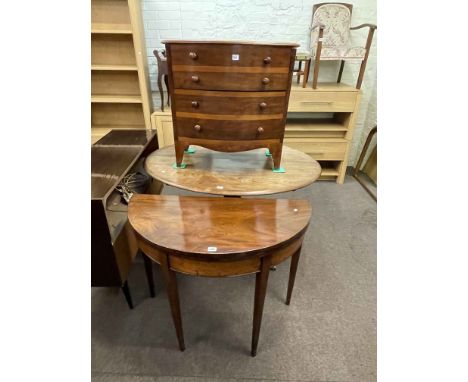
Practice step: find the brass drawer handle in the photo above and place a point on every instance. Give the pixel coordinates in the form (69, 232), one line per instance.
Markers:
(195, 79)
(263, 105)
(267, 60)
(260, 130)
(266, 80)
(195, 104)
(193, 55)
(318, 102)
(197, 128)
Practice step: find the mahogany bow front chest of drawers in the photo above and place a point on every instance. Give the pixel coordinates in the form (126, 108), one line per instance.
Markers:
(229, 96)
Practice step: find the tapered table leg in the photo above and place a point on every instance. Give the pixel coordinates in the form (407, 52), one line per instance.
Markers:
(149, 274)
(292, 274)
(261, 281)
(173, 294)
(128, 296)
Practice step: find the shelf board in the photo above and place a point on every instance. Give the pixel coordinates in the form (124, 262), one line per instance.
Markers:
(114, 67)
(329, 172)
(111, 28)
(106, 98)
(323, 87)
(314, 126)
(315, 140)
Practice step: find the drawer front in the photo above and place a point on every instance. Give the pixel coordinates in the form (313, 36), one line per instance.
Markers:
(230, 81)
(229, 129)
(321, 101)
(230, 55)
(252, 103)
(318, 150)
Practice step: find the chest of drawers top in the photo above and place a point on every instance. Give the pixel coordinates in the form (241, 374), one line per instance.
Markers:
(229, 65)
(233, 54)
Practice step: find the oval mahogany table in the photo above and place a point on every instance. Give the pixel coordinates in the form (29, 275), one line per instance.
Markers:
(233, 174)
(219, 237)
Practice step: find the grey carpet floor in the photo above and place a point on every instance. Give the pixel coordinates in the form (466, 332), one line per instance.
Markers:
(328, 333)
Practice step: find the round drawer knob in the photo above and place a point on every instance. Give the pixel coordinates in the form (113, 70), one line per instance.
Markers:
(195, 79)
(266, 80)
(260, 130)
(195, 104)
(193, 55)
(197, 127)
(267, 60)
(263, 105)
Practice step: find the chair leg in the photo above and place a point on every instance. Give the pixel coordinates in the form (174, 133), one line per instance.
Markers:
(149, 274)
(292, 274)
(299, 71)
(173, 294)
(318, 53)
(161, 93)
(306, 72)
(340, 72)
(316, 72)
(261, 281)
(361, 73)
(128, 296)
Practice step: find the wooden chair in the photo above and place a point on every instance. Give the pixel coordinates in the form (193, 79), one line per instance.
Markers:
(219, 237)
(306, 58)
(162, 72)
(329, 40)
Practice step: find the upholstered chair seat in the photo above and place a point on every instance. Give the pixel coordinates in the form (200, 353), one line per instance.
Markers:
(334, 53)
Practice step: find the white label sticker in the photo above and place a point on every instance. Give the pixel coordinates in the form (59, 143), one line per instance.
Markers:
(235, 57)
(212, 249)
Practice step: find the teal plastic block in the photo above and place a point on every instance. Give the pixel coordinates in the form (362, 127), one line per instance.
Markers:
(183, 165)
(267, 153)
(190, 150)
(280, 169)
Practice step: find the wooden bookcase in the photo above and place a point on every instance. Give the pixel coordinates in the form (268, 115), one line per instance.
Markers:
(320, 123)
(120, 91)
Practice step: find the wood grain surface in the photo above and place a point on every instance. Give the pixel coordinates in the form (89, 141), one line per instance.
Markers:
(265, 127)
(230, 81)
(217, 229)
(240, 173)
(238, 103)
(220, 54)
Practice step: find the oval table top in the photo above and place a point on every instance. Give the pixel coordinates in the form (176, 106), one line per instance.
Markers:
(233, 174)
(217, 228)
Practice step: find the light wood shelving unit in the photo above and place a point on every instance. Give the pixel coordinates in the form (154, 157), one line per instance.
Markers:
(120, 90)
(320, 123)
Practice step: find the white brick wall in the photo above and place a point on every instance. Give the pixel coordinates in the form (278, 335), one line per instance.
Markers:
(262, 20)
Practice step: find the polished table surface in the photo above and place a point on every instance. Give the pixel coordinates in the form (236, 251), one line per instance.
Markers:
(217, 229)
(233, 174)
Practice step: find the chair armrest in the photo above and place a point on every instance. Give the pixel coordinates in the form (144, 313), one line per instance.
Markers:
(371, 26)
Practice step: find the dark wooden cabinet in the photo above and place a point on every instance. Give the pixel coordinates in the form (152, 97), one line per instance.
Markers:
(113, 245)
(229, 96)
